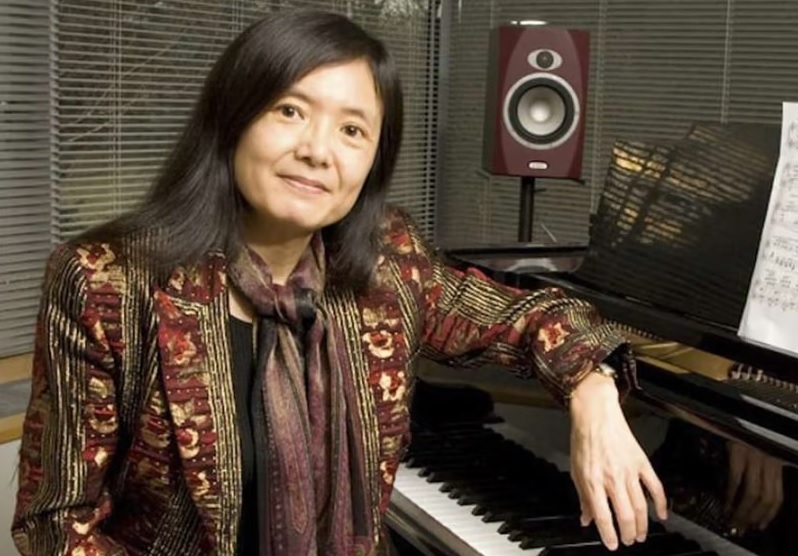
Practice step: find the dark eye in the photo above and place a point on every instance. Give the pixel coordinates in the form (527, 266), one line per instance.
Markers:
(353, 130)
(288, 111)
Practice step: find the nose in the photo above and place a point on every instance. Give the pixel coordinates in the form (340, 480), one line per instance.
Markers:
(314, 144)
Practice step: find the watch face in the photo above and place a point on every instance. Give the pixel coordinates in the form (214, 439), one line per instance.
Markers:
(606, 370)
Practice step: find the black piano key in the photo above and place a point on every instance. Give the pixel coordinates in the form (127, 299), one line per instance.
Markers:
(503, 508)
(670, 544)
(482, 486)
(476, 484)
(515, 523)
(564, 531)
(567, 522)
(541, 533)
(507, 512)
(474, 480)
(503, 492)
(559, 539)
(543, 525)
(493, 496)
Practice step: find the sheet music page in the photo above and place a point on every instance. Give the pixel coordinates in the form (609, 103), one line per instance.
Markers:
(770, 317)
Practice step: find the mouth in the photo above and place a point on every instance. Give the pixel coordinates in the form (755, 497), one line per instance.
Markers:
(305, 184)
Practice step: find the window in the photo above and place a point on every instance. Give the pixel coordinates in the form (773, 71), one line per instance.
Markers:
(26, 173)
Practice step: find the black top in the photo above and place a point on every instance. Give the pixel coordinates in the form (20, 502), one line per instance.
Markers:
(244, 390)
(248, 392)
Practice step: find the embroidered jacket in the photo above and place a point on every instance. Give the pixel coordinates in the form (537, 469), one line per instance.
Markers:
(130, 442)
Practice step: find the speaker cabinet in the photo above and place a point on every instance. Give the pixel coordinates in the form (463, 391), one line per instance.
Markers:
(535, 101)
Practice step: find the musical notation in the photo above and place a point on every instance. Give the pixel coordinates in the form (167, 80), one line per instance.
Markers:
(771, 311)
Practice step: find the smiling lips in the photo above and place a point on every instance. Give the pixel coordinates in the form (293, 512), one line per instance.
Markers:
(305, 184)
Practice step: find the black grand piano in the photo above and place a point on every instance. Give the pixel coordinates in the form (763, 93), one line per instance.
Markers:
(672, 250)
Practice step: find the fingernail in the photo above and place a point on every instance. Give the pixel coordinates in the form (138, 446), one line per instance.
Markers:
(612, 545)
(641, 538)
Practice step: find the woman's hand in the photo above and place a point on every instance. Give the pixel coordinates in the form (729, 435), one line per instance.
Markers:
(608, 465)
(755, 489)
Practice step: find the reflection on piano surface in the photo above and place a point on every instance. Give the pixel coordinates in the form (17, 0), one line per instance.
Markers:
(670, 257)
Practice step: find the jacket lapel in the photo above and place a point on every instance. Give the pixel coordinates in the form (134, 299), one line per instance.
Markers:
(193, 341)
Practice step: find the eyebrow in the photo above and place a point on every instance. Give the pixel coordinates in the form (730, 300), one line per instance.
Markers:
(351, 110)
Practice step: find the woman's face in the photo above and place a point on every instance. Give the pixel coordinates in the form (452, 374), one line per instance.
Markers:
(302, 163)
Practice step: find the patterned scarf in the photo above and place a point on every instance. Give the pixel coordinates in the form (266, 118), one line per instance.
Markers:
(318, 500)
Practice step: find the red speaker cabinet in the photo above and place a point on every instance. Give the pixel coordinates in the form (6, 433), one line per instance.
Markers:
(535, 101)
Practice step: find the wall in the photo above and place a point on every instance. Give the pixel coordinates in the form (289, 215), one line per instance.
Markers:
(8, 490)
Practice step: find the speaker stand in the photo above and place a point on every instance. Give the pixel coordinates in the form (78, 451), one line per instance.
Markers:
(526, 211)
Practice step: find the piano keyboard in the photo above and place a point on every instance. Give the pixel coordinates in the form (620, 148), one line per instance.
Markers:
(476, 490)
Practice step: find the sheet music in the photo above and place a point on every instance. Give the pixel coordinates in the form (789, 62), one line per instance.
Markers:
(771, 310)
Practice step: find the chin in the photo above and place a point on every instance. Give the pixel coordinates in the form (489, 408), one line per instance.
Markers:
(306, 221)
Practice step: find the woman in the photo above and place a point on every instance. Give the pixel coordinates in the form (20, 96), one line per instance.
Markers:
(226, 370)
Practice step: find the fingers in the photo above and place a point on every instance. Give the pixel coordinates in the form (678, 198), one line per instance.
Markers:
(769, 497)
(639, 507)
(585, 517)
(774, 482)
(763, 489)
(631, 508)
(655, 490)
(629, 502)
(752, 484)
(600, 508)
(736, 468)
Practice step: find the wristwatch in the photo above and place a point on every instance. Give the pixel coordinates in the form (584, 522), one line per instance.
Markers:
(606, 370)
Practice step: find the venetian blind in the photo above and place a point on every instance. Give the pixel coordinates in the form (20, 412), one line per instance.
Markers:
(129, 70)
(25, 165)
(656, 66)
(127, 74)
(762, 60)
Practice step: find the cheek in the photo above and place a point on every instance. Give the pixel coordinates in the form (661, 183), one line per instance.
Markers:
(355, 174)
(356, 170)
(242, 171)
(252, 160)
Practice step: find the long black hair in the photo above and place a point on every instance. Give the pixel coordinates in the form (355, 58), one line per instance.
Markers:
(194, 206)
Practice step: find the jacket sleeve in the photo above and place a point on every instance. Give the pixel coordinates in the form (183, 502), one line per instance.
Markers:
(70, 429)
(470, 320)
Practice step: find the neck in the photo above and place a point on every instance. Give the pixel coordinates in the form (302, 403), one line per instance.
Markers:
(281, 250)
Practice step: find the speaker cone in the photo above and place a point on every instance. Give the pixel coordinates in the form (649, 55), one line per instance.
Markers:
(541, 111)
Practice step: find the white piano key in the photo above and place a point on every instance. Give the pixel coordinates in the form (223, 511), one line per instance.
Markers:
(483, 538)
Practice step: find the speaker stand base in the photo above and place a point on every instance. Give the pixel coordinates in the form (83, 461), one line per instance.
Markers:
(526, 209)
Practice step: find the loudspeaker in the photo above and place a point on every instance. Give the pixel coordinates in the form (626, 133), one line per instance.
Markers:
(535, 101)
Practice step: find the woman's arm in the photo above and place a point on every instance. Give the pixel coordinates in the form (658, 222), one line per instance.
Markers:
(70, 430)
(470, 320)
